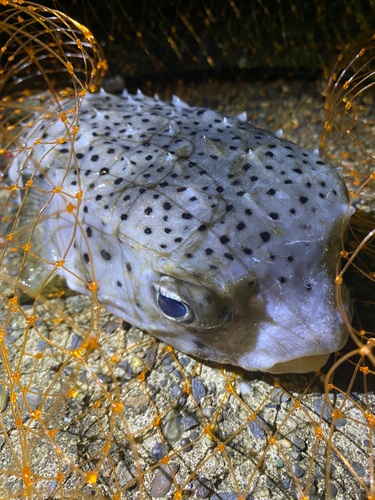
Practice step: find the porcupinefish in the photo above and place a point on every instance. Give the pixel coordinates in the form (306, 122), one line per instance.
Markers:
(215, 236)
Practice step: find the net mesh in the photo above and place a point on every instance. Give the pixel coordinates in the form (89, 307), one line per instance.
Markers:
(94, 408)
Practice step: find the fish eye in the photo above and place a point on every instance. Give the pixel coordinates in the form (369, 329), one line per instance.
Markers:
(171, 307)
(170, 304)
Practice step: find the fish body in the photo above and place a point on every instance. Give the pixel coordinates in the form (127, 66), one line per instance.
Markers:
(217, 237)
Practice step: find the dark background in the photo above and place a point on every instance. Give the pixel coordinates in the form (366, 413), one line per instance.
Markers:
(173, 39)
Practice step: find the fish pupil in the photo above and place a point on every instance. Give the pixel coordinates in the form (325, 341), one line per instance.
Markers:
(171, 307)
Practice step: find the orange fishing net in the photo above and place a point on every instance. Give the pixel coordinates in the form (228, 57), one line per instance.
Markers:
(92, 408)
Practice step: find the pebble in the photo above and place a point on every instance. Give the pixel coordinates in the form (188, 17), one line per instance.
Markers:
(340, 422)
(136, 362)
(51, 487)
(184, 361)
(110, 328)
(4, 399)
(285, 444)
(153, 390)
(127, 368)
(262, 493)
(68, 371)
(189, 422)
(75, 342)
(151, 355)
(193, 435)
(290, 424)
(333, 489)
(167, 360)
(183, 399)
(198, 389)
(204, 487)
(209, 412)
(299, 443)
(178, 374)
(139, 403)
(358, 468)
(245, 388)
(295, 455)
(320, 450)
(158, 451)
(318, 405)
(34, 400)
(225, 495)
(88, 375)
(212, 387)
(185, 442)
(43, 344)
(104, 378)
(279, 463)
(163, 480)
(298, 471)
(279, 396)
(285, 482)
(176, 391)
(172, 428)
(256, 429)
(311, 489)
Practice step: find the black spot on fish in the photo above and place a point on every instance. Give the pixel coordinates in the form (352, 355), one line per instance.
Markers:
(105, 254)
(265, 235)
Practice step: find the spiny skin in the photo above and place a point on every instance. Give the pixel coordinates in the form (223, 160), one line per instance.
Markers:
(213, 235)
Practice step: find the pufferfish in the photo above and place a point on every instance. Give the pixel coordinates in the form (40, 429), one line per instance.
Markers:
(213, 235)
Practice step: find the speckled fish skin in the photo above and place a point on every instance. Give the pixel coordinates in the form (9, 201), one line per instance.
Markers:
(239, 228)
